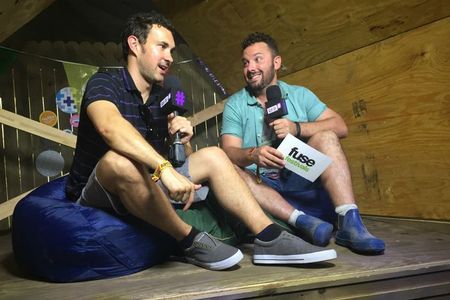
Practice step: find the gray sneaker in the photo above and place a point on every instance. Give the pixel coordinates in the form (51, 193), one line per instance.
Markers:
(209, 253)
(289, 249)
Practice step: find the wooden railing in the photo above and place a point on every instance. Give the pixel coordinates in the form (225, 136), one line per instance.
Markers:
(58, 136)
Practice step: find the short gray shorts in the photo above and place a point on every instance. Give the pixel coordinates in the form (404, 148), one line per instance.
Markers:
(95, 195)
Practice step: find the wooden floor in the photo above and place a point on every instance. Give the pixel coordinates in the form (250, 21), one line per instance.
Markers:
(416, 264)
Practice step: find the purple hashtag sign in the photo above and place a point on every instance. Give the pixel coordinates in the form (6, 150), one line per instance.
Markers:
(180, 98)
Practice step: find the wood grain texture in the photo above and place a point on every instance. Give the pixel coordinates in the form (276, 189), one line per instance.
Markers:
(413, 248)
(36, 128)
(399, 165)
(7, 208)
(395, 97)
(308, 33)
(14, 14)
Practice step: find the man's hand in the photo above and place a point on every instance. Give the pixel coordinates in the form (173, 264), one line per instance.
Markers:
(180, 188)
(181, 124)
(268, 157)
(282, 127)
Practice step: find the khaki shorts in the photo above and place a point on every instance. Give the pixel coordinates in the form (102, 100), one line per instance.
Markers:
(95, 195)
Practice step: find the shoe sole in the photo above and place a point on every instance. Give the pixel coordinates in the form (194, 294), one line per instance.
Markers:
(307, 258)
(358, 248)
(219, 265)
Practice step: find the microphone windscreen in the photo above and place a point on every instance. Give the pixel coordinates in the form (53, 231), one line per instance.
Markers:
(273, 93)
(172, 82)
(173, 98)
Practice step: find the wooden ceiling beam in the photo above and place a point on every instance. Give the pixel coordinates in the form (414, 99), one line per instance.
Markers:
(15, 14)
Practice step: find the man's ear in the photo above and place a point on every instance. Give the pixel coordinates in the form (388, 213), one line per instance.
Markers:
(133, 44)
(277, 62)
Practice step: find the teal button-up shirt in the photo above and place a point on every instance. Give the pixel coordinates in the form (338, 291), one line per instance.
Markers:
(243, 116)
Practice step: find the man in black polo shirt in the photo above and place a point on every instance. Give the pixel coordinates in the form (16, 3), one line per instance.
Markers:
(122, 135)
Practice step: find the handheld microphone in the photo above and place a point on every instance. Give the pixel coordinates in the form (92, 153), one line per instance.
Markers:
(173, 100)
(275, 106)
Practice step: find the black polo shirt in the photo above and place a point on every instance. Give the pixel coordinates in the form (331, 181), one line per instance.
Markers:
(118, 87)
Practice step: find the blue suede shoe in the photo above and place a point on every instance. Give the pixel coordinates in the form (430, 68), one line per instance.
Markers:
(353, 234)
(314, 230)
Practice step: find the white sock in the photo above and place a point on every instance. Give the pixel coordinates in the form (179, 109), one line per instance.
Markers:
(344, 208)
(293, 217)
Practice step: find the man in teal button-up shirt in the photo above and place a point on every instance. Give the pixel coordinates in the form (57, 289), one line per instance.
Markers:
(248, 137)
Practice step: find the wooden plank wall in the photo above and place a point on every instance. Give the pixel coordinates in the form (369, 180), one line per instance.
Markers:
(384, 65)
(308, 32)
(395, 97)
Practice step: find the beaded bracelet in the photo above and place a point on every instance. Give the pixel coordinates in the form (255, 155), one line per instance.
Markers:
(161, 167)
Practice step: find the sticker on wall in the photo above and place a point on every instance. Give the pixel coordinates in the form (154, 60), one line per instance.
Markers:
(67, 98)
(48, 117)
(74, 120)
(49, 163)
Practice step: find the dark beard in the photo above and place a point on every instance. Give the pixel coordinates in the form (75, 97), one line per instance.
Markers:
(264, 83)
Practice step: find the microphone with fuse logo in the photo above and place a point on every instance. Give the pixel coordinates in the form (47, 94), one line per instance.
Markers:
(173, 100)
(275, 106)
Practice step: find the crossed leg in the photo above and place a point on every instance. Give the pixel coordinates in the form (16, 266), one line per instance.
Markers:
(144, 199)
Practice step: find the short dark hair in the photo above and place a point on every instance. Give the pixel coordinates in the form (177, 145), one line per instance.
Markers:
(257, 37)
(139, 25)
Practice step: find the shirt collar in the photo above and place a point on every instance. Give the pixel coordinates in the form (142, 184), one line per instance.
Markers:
(251, 100)
(131, 87)
(128, 80)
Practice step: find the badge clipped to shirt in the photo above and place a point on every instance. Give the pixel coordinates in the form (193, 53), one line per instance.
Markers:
(302, 159)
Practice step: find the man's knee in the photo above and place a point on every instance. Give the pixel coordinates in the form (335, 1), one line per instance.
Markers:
(213, 156)
(323, 139)
(116, 166)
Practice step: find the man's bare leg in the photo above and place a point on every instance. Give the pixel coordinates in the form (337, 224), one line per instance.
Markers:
(139, 194)
(271, 245)
(269, 199)
(212, 165)
(310, 228)
(337, 181)
(145, 200)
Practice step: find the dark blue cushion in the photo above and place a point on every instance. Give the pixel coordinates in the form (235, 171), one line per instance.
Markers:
(60, 241)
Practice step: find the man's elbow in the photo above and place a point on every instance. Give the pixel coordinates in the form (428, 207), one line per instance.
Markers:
(106, 133)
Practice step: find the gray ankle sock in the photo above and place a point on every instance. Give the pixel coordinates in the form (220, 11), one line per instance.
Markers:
(344, 208)
(294, 216)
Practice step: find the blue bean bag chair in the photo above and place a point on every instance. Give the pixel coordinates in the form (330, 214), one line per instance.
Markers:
(60, 241)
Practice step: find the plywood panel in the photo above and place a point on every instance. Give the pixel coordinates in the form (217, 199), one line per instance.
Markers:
(408, 74)
(395, 96)
(308, 32)
(399, 165)
(14, 14)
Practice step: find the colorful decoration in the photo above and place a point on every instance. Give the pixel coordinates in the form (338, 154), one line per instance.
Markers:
(74, 120)
(77, 76)
(49, 163)
(66, 100)
(180, 98)
(48, 117)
